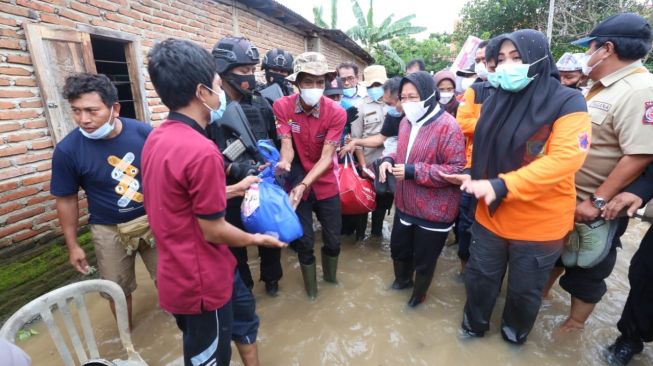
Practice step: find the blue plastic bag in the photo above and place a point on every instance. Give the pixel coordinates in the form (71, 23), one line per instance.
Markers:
(266, 208)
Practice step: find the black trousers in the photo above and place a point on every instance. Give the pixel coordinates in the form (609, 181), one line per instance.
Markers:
(529, 262)
(328, 214)
(270, 264)
(636, 323)
(416, 245)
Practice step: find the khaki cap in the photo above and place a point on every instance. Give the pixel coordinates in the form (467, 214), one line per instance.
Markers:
(374, 74)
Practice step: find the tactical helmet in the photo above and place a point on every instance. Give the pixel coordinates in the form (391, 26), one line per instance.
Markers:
(230, 52)
(278, 59)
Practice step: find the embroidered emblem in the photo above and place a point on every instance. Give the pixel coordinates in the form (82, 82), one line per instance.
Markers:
(583, 141)
(294, 127)
(648, 113)
(535, 148)
(601, 105)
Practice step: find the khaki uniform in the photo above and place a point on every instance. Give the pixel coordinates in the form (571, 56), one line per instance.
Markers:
(621, 108)
(369, 123)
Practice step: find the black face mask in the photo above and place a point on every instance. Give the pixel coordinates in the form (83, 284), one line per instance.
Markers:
(274, 77)
(244, 83)
(573, 86)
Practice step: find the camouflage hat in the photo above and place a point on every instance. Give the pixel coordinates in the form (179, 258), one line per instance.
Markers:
(569, 62)
(313, 63)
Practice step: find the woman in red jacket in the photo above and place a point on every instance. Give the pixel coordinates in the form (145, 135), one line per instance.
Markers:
(430, 142)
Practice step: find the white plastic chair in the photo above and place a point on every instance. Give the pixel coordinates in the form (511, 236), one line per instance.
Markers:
(62, 297)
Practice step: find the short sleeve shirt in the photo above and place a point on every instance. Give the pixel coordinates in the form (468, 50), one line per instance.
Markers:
(369, 123)
(109, 171)
(309, 133)
(622, 124)
(183, 174)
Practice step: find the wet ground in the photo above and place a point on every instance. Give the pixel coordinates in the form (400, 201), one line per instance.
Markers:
(362, 322)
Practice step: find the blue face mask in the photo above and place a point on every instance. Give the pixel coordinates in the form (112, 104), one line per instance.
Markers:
(216, 114)
(514, 77)
(349, 92)
(393, 112)
(345, 104)
(493, 79)
(375, 93)
(101, 132)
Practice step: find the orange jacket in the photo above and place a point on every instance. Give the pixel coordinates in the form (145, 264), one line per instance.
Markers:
(541, 195)
(468, 114)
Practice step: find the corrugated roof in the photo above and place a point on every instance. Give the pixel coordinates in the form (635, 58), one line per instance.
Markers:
(289, 17)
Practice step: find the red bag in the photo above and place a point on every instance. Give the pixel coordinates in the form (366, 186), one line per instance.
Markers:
(357, 195)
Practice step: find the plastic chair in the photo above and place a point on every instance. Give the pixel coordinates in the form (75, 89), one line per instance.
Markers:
(43, 306)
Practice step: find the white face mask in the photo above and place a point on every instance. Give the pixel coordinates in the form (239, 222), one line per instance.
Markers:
(445, 97)
(416, 110)
(311, 96)
(587, 69)
(466, 83)
(481, 70)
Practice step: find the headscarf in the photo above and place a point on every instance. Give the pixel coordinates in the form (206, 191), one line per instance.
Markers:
(452, 106)
(508, 120)
(425, 86)
(493, 47)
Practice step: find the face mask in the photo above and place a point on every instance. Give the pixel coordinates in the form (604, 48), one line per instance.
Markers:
(311, 96)
(587, 69)
(103, 131)
(216, 114)
(445, 97)
(375, 93)
(416, 110)
(466, 83)
(245, 82)
(345, 104)
(481, 70)
(275, 77)
(493, 79)
(349, 92)
(393, 112)
(514, 77)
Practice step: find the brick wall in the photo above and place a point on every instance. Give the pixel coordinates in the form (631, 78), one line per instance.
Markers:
(27, 212)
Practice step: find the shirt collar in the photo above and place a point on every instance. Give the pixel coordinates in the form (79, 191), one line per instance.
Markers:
(315, 112)
(620, 74)
(176, 116)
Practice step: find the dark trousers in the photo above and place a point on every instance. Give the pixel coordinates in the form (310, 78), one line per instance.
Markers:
(464, 224)
(328, 214)
(416, 245)
(588, 284)
(636, 323)
(270, 264)
(529, 263)
(358, 223)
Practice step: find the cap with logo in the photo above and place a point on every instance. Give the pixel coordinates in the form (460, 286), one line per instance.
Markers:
(312, 63)
(623, 25)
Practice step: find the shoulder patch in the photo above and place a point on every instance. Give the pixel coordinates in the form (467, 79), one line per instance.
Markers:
(601, 105)
(583, 141)
(648, 113)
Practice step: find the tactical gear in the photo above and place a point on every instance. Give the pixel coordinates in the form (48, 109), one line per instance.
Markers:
(272, 92)
(234, 51)
(278, 59)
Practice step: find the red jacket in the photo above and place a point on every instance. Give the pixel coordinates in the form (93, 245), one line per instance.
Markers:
(439, 147)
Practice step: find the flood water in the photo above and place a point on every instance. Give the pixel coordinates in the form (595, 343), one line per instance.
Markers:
(362, 322)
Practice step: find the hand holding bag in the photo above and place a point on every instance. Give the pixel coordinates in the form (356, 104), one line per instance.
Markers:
(357, 195)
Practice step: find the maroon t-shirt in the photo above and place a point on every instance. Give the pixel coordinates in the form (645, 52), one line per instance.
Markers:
(183, 179)
(309, 133)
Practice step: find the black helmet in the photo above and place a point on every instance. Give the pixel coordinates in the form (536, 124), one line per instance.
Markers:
(234, 51)
(279, 59)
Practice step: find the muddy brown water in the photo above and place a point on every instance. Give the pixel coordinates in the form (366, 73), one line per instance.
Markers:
(362, 322)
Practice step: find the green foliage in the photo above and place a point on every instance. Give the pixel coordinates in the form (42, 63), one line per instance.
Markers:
(435, 51)
(318, 16)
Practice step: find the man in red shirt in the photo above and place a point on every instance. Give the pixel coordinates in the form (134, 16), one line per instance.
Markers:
(183, 174)
(309, 126)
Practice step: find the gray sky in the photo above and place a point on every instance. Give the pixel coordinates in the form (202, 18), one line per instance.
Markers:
(434, 15)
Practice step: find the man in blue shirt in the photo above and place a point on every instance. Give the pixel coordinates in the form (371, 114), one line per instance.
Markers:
(103, 157)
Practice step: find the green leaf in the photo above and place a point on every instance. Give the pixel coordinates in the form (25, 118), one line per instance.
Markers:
(24, 334)
(334, 14)
(370, 15)
(358, 13)
(33, 332)
(317, 17)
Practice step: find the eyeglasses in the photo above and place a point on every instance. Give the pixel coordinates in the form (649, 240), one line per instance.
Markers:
(349, 79)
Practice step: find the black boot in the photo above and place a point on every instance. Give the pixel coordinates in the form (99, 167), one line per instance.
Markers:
(403, 275)
(422, 283)
(622, 351)
(271, 288)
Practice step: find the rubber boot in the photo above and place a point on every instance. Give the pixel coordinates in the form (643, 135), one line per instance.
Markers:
(310, 280)
(403, 275)
(422, 283)
(329, 267)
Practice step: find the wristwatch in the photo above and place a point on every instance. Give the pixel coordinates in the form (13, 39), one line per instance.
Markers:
(598, 202)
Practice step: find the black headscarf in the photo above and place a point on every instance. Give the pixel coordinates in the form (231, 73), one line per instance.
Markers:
(493, 47)
(425, 86)
(508, 120)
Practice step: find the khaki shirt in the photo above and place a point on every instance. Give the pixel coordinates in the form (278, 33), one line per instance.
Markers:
(622, 124)
(369, 123)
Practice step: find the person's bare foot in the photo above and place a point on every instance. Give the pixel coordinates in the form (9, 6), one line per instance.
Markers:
(571, 325)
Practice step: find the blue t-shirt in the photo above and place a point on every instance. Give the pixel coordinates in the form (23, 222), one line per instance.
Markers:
(109, 171)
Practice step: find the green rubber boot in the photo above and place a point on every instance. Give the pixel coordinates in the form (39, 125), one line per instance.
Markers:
(310, 280)
(329, 268)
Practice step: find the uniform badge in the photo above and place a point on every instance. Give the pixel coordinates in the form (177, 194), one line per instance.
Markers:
(583, 141)
(294, 127)
(648, 113)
